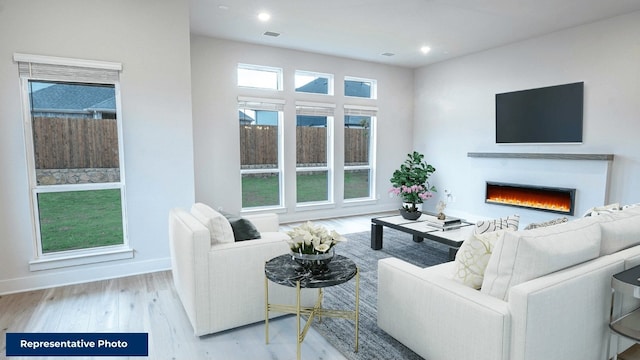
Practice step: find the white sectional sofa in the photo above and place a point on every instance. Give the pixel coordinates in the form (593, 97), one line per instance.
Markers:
(546, 295)
(221, 281)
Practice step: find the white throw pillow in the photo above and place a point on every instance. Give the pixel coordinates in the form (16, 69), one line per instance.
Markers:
(521, 256)
(218, 225)
(473, 256)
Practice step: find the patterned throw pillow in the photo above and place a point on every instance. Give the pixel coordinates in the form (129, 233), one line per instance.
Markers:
(547, 223)
(509, 222)
(594, 211)
(473, 256)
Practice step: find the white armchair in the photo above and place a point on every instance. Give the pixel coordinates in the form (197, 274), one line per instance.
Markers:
(221, 283)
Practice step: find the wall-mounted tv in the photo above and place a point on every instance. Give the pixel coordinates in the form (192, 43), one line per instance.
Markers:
(550, 114)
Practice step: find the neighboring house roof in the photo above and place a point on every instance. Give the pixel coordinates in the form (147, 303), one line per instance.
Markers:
(317, 86)
(74, 98)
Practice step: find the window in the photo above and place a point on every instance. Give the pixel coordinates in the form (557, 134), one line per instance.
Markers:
(259, 77)
(312, 82)
(74, 146)
(314, 152)
(359, 125)
(260, 152)
(357, 87)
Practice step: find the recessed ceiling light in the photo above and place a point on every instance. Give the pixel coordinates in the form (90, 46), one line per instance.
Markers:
(223, 7)
(425, 49)
(271, 33)
(263, 16)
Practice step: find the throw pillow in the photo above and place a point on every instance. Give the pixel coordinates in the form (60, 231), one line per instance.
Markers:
(243, 229)
(474, 253)
(547, 223)
(219, 228)
(594, 211)
(522, 256)
(510, 222)
(473, 256)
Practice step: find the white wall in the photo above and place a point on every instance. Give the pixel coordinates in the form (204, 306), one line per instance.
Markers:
(151, 39)
(216, 136)
(455, 110)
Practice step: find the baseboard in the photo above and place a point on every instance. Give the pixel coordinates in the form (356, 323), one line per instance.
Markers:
(45, 279)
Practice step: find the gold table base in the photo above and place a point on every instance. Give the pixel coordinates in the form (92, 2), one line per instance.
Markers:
(311, 312)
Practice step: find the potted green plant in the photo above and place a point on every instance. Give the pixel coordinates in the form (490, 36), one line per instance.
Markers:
(411, 183)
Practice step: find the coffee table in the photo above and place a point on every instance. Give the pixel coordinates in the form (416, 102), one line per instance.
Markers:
(420, 229)
(283, 270)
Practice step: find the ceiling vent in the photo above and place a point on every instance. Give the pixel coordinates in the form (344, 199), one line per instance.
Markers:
(387, 54)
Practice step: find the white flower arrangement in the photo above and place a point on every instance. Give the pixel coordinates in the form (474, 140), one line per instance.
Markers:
(313, 239)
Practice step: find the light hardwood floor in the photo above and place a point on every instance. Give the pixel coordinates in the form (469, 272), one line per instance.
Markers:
(149, 303)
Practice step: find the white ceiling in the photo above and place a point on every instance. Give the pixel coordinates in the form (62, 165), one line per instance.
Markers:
(365, 29)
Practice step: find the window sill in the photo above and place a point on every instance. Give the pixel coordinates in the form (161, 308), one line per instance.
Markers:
(359, 202)
(82, 257)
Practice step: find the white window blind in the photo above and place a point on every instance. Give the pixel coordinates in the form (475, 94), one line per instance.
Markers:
(67, 69)
(359, 110)
(314, 109)
(260, 104)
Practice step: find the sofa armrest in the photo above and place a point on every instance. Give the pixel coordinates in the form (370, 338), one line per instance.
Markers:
(189, 243)
(237, 282)
(264, 222)
(433, 314)
(564, 314)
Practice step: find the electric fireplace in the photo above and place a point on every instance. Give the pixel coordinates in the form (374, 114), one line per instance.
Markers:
(552, 199)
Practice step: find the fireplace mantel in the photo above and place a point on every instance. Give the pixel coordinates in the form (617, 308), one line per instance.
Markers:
(552, 156)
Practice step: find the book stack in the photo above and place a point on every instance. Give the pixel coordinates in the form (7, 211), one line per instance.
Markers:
(449, 223)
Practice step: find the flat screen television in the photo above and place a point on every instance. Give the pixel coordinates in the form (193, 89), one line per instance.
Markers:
(550, 114)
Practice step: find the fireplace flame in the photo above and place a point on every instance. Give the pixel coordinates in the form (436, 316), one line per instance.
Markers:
(536, 199)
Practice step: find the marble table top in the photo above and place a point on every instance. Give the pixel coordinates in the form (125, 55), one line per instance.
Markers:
(285, 271)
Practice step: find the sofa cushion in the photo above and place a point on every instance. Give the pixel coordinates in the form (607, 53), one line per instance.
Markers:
(243, 229)
(525, 255)
(623, 231)
(218, 225)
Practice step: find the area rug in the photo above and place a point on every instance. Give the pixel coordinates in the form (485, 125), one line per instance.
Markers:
(374, 343)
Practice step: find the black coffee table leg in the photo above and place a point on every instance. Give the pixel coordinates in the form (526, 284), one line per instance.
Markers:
(452, 253)
(376, 237)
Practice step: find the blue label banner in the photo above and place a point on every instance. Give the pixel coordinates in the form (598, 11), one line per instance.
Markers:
(77, 344)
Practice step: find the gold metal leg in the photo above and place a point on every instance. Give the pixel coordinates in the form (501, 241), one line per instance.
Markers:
(357, 319)
(266, 310)
(299, 337)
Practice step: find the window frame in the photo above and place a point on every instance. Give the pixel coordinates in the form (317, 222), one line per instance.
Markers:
(250, 67)
(373, 83)
(69, 70)
(371, 112)
(276, 105)
(329, 77)
(319, 109)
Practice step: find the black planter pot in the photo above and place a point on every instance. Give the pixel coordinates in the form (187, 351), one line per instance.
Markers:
(410, 215)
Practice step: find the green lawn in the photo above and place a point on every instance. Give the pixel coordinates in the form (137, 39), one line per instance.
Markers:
(263, 190)
(80, 219)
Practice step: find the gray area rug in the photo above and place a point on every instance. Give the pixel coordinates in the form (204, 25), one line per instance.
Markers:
(374, 343)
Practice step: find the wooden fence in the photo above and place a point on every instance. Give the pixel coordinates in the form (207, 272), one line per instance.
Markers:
(72, 143)
(259, 145)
